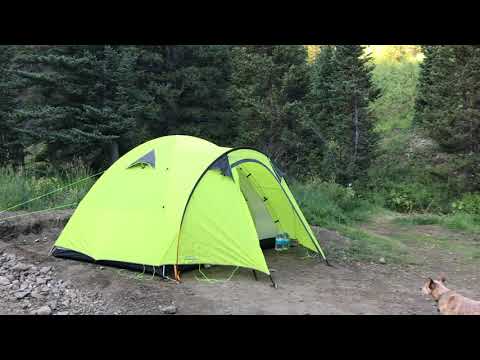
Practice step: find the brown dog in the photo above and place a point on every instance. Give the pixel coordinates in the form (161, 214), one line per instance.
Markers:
(449, 301)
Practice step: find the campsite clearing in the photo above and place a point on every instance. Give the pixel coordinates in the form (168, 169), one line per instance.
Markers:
(306, 285)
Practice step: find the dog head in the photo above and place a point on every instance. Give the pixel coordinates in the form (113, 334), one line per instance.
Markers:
(435, 288)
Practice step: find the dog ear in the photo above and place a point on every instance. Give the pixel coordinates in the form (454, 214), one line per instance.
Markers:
(431, 284)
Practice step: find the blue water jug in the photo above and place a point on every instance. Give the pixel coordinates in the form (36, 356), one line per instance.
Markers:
(286, 241)
(278, 242)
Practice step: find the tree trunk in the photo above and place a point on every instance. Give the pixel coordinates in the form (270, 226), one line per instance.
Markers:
(114, 154)
(357, 131)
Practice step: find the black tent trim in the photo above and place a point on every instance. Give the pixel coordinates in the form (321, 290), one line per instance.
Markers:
(161, 270)
(242, 161)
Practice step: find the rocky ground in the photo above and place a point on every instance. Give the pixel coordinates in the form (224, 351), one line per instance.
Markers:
(31, 289)
(32, 282)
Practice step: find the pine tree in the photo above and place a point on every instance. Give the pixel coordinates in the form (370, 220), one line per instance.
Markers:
(11, 149)
(340, 94)
(270, 85)
(186, 91)
(448, 105)
(86, 100)
(424, 82)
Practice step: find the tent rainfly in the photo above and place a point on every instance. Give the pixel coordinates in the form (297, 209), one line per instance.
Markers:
(180, 201)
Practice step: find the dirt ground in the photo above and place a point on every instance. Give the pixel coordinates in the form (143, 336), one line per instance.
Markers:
(305, 284)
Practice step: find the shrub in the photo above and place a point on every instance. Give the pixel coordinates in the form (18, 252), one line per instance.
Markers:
(328, 203)
(469, 203)
(411, 197)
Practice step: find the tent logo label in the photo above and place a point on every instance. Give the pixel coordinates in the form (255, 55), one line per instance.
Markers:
(190, 258)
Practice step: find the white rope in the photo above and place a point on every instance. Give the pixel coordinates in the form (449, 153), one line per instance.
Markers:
(50, 193)
(38, 211)
(315, 255)
(206, 279)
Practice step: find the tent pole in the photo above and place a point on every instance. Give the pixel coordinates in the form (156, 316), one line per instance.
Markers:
(255, 275)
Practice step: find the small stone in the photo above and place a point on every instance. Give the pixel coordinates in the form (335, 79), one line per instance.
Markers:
(52, 304)
(35, 294)
(44, 310)
(21, 267)
(169, 309)
(382, 260)
(4, 281)
(45, 269)
(41, 281)
(21, 294)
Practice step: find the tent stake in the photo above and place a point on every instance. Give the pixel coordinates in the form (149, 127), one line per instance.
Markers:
(255, 275)
(273, 282)
(328, 264)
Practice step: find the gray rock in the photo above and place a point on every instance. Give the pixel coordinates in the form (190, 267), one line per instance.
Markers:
(26, 305)
(35, 294)
(62, 313)
(4, 281)
(44, 310)
(52, 304)
(21, 267)
(41, 281)
(10, 257)
(23, 286)
(168, 309)
(382, 260)
(45, 269)
(21, 294)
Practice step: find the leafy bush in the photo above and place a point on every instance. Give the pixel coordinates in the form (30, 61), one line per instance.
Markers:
(469, 203)
(328, 203)
(411, 197)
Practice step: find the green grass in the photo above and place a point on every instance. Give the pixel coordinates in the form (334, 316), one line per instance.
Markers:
(23, 184)
(334, 207)
(458, 221)
(328, 204)
(367, 246)
(338, 208)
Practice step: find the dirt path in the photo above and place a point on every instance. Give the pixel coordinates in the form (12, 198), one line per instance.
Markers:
(305, 285)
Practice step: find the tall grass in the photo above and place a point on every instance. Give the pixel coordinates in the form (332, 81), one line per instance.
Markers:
(23, 184)
(457, 221)
(328, 204)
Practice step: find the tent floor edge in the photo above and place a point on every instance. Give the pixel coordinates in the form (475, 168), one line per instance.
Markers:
(163, 271)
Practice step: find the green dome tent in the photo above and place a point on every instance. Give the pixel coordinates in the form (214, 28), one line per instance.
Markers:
(179, 201)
